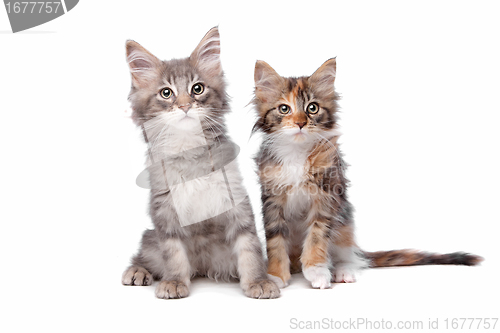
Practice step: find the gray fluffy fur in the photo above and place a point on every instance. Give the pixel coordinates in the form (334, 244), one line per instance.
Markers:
(222, 247)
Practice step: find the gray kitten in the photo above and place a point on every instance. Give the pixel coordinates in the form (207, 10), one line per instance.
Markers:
(203, 221)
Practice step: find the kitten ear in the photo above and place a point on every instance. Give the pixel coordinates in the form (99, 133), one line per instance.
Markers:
(142, 63)
(206, 56)
(323, 79)
(268, 83)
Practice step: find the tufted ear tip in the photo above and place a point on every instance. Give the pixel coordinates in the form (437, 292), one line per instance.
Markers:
(332, 62)
(260, 63)
(142, 63)
(214, 32)
(324, 76)
(206, 56)
(268, 83)
(328, 66)
(263, 72)
(130, 44)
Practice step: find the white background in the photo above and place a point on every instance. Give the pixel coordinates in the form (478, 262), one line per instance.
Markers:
(420, 117)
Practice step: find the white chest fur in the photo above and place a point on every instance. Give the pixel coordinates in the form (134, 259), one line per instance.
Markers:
(293, 160)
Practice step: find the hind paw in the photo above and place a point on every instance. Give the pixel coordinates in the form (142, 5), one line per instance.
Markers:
(344, 274)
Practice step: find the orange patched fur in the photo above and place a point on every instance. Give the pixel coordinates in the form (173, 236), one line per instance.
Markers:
(308, 218)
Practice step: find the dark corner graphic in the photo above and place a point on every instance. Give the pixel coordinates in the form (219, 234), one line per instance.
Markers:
(28, 14)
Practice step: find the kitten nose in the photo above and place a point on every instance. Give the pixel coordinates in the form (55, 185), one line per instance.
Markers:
(301, 124)
(185, 107)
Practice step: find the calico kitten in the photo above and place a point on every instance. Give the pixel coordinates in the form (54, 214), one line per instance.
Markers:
(203, 221)
(308, 219)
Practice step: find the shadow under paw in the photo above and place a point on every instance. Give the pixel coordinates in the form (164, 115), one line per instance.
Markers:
(171, 289)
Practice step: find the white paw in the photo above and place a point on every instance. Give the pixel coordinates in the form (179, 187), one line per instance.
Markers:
(279, 282)
(319, 277)
(344, 273)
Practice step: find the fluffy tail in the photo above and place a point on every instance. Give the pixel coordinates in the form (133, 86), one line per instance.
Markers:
(413, 257)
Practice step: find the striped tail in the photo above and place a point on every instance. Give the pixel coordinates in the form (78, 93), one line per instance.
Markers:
(414, 257)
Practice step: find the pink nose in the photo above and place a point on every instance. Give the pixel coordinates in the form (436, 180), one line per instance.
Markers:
(301, 124)
(185, 107)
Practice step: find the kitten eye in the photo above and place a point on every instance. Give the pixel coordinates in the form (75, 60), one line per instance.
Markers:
(166, 93)
(312, 108)
(284, 109)
(198, 89)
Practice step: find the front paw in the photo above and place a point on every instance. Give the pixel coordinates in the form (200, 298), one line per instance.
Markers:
(171, 289)
(264, 289)
(136, 276)
(279, 281)
(319, 276)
